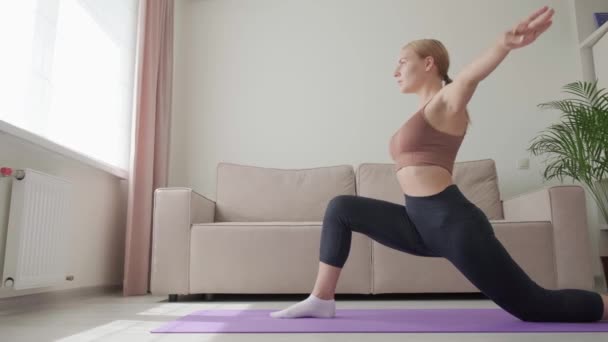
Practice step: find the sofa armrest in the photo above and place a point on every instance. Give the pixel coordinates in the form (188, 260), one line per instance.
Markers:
(174, 212)
(564, 207)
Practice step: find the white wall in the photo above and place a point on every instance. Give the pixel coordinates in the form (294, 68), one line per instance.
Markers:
(96, 252)
(584, 25)
(298, 84)
(600, 58)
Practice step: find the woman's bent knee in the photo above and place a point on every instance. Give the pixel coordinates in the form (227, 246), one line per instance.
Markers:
(340, 204)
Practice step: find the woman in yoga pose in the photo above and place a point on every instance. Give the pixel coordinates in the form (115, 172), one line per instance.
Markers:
(438, 220)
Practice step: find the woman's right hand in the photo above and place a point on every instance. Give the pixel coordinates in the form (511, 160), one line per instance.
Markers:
(526, 32)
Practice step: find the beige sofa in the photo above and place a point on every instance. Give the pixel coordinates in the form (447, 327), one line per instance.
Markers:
(261, 233)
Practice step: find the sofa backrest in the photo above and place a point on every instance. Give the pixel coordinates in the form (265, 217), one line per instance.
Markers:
(251, 193)
(477, 180)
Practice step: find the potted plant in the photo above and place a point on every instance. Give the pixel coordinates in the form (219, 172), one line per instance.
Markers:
(578, 145)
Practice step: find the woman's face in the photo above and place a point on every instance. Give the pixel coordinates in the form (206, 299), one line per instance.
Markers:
(410, 72)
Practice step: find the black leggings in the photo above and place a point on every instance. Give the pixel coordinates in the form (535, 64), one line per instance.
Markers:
(448, 225)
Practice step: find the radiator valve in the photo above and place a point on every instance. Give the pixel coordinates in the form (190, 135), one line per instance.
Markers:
(7, 172)
(9, 282)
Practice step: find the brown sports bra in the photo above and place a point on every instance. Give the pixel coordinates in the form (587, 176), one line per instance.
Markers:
(418, 143)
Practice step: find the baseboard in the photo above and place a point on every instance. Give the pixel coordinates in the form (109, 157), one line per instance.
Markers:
(57, 296)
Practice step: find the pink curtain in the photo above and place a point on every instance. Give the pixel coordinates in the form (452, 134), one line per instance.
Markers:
(150, 136)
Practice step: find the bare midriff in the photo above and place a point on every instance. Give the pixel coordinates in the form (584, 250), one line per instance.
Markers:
(423, 180)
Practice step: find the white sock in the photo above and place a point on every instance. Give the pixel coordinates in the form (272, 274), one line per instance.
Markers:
(310, 307)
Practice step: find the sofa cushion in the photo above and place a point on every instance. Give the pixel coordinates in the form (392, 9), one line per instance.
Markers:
(269, 257)
(251, 193)
(378, 180)
(477, 180)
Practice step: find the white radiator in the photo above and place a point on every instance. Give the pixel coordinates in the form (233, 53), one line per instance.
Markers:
(38, 228)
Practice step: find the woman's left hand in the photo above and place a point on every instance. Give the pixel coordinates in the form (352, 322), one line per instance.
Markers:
(529, 29)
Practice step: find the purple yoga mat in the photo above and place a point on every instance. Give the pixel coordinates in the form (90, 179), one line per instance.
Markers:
(369, 321)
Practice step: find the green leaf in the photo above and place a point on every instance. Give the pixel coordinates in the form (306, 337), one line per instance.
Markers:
(577, 146)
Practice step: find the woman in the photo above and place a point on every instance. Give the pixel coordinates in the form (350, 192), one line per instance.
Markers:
(438, 220)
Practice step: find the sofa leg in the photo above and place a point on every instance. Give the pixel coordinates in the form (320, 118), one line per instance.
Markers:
(208, 297)
(172, 298)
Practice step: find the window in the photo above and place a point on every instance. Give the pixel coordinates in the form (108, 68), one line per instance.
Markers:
(67, 72)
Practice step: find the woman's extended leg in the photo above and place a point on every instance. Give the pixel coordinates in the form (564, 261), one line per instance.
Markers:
(482, 258)
(385, 222)
(460, 231)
